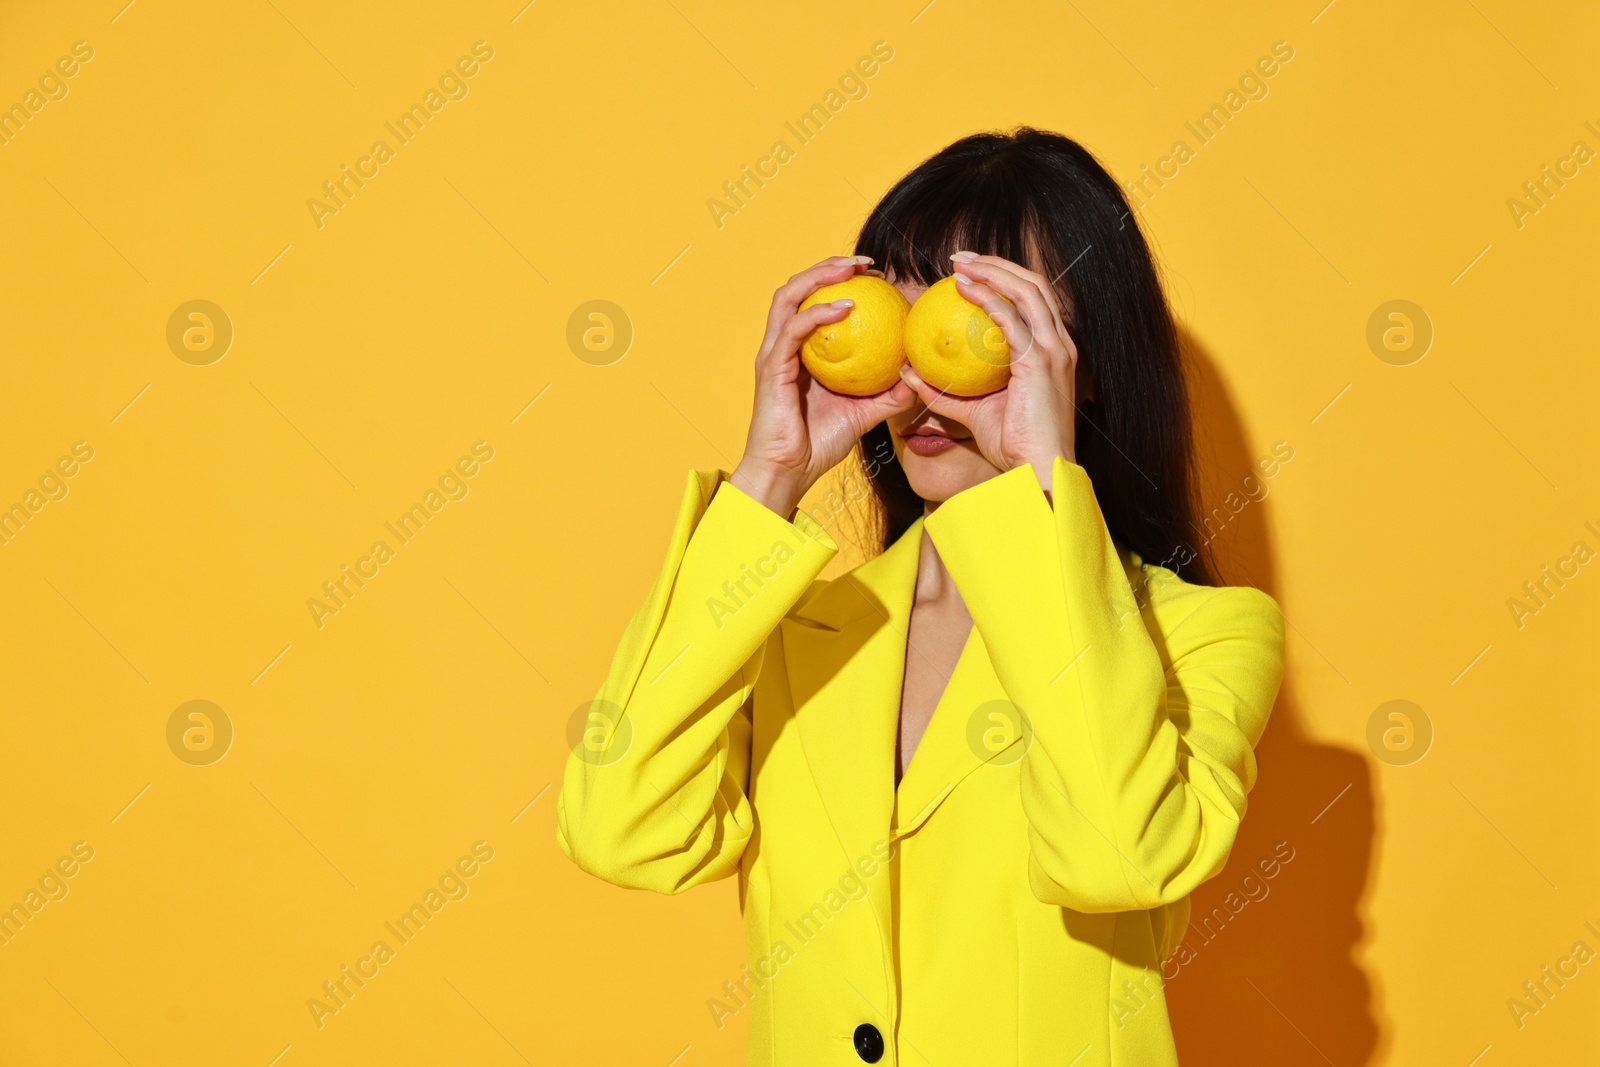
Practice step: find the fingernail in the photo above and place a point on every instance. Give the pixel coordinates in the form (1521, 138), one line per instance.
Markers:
(962, 279)
(863, 259)
(964, 257)
(844, 261)
(843, 304)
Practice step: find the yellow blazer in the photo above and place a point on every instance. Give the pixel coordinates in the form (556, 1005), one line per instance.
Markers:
(1012, 901)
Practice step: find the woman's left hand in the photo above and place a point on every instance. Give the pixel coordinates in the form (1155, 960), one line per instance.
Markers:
(1033, 419)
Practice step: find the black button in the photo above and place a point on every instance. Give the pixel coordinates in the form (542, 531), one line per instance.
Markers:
(869, 1043)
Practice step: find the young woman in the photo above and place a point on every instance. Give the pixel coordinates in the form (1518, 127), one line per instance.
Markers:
(967, 787)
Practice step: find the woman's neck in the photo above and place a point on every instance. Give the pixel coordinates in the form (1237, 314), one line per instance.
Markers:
(934, 584)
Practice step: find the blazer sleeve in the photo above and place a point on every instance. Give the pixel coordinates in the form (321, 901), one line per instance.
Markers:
(1140, 759)
(655, 790)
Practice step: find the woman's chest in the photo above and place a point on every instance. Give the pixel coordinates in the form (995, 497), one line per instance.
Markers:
(825, 720)
(935, 637)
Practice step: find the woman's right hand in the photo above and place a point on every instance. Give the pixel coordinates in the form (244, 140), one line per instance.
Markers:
(800, 430)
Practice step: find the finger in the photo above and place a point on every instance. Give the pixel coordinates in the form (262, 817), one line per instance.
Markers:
(913, 381)
(823, 272)
(792, 293)
(893, 400)
(1029, 293)
(1046, 289)
(800, 325)
(1022, 292)
(936, 400)
(862, 413)
(1010, 318)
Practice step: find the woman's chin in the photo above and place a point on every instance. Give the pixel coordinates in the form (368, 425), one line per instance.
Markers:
(940, 476)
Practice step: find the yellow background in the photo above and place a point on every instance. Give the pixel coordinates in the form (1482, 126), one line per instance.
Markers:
(430, 713)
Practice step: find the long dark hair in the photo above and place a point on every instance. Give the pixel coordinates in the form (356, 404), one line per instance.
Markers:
(1030, 191)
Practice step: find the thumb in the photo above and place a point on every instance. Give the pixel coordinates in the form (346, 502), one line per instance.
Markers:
(935, 400)
(890, 402)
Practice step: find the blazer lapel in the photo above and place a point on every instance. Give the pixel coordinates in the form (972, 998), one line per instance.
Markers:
(957, 741)
(974, 725)
(844, 652)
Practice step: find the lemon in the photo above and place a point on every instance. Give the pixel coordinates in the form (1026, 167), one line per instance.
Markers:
(862, 353)
(954, 345)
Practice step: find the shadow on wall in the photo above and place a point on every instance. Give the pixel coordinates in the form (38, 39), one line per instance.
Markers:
(1271, 975)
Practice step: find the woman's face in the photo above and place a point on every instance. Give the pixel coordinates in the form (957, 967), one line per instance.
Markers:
(936, 452)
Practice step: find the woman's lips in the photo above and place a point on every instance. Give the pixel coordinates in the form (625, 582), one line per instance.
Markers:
(930, 444)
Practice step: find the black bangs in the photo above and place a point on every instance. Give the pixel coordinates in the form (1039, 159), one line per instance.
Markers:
(1043, 201)
(913, 232)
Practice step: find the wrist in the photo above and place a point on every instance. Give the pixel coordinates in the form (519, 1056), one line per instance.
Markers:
(1043, 460)
(778, 492)
(1044, 463)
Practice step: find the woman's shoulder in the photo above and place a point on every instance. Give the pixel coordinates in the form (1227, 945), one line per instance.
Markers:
(1178, 603)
